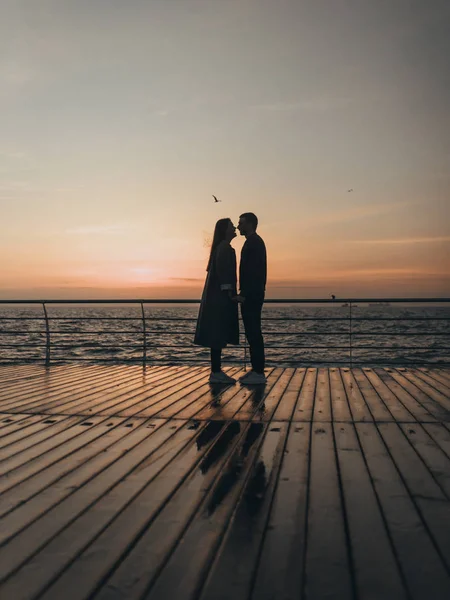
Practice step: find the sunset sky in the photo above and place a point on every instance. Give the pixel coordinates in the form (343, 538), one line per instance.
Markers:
(119, 120)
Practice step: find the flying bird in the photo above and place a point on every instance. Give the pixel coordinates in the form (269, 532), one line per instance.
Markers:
(215, 199)
(350, 190)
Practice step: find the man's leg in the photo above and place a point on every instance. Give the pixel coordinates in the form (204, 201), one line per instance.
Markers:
(251, 315)
(216, 360)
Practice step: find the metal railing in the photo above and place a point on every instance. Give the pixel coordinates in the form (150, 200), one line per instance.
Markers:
(350, 325)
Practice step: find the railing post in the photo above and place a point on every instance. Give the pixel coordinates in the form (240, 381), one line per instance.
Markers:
(144, 348)
(351, 336)
(47, 331)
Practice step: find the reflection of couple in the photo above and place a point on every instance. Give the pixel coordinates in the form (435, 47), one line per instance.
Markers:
(218, 323)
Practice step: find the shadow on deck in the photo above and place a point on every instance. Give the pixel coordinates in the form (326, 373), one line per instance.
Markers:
(125, 482)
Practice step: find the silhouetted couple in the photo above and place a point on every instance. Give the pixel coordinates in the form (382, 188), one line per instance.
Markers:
(218, 321)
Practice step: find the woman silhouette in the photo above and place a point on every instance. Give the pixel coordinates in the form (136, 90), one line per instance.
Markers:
(218, 322)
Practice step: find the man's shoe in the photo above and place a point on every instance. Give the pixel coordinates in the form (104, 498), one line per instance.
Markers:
(245, 375)
(254, 378)
(221, 377)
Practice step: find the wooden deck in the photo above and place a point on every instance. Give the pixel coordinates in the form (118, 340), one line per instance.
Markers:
(119, 482)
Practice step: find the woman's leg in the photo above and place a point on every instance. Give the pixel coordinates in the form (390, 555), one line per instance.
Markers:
(216, 360)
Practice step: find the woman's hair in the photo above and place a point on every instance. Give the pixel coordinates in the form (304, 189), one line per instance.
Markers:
(219, 235)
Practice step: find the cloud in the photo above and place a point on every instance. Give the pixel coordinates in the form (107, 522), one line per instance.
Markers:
(98, 230)
(187, 279)
(421, 240)
(15, 74)
(12, 154)
(320, 104)
(352, 213)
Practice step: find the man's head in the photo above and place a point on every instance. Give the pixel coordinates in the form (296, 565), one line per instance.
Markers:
(248, 223)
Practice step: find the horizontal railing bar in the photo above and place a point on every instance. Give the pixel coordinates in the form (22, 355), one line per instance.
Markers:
(266, 333)
(80, 318)
(300, 364)
(96, 345)
(194, 319)
(197, 301)
(190, 346)
(357, 343)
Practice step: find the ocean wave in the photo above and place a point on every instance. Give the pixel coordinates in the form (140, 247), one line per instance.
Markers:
(294, 335)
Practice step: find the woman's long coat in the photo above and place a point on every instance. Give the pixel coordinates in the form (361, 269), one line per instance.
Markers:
(218, 321)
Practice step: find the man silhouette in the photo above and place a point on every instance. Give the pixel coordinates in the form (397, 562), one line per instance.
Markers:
(252, 281)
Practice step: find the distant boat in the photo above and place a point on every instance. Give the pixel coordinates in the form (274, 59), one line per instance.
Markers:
(380, 303)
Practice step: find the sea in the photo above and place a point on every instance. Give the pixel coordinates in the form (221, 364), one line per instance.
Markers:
(295, 334)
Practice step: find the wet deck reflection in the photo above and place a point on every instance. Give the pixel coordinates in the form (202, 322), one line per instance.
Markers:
(119, 482)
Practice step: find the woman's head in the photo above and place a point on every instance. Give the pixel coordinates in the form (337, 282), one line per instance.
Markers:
(224, 230)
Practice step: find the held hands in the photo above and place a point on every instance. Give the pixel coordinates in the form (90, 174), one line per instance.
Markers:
(238, 298)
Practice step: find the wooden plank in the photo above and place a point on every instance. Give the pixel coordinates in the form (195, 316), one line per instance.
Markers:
(151, 496)
(17, 425)
(183, 571)
(434, 402)
(42, 491)
(440, 392)
(17, 372)
(397, 409)
(16, 377)
(105, 401)
(148, 404)
(244, 396)
(53, 456)
(304, 408)
(285, 409)
(358, 407)
(211, 396)
(75, 525)
(407, 396)
(52, 542)
(30, 434)
(280, 569)
(376, 570)
(133, 572)
(49, 386)
(90, 402)
(188, 405)
(219, 406)
(255, 397)
(327, 564)
(268, 398)
(424, 572)
(340, 409)
(51, 396)
(429, 498)
(322, 400)
(233, 564)
(444, 374)
(440, 435)
(436, 377)
(431, 454)
(187, 503)
(10, 423)
(75, 426)
(378, 409)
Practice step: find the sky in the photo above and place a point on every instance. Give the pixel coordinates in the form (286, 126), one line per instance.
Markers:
(119, 120)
